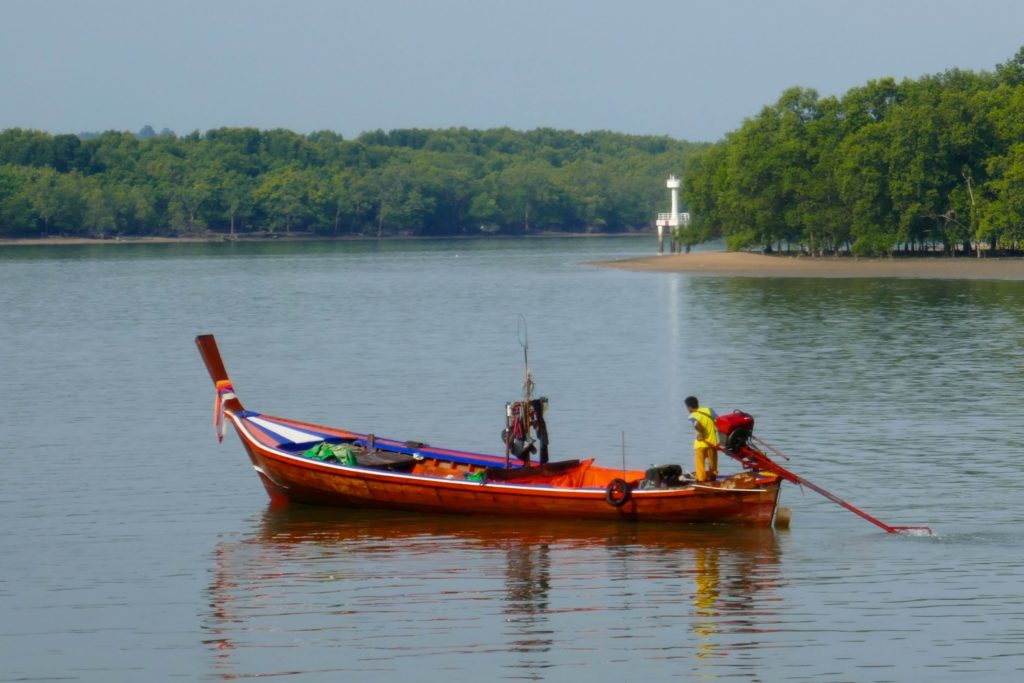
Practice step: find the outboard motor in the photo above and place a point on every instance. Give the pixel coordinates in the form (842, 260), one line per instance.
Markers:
(737, 427)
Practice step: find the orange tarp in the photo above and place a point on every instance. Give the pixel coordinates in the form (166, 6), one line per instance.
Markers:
(584, 475)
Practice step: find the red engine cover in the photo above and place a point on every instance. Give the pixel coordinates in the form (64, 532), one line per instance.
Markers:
(730, 422)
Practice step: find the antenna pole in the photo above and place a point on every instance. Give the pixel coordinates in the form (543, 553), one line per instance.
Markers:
(623, 453)
(524, 341)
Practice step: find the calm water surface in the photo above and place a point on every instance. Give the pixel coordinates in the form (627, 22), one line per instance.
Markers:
(134, 547)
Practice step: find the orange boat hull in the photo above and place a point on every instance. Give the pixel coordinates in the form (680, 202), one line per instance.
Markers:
(290, 478)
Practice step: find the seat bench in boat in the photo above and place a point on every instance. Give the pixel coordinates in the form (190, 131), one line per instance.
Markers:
(364, 458)
(386, 459)
(511, 474)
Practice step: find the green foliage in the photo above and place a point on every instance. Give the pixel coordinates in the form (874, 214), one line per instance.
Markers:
(926, 165)
(401, 182)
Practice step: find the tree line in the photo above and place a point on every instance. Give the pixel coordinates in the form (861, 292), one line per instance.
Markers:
(928, 165)
(402, 182)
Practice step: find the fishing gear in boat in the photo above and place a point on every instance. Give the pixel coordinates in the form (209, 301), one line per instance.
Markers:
(738, 427)
(526, 432)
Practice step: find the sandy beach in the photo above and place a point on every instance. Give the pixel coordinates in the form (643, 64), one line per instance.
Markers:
(759, 265)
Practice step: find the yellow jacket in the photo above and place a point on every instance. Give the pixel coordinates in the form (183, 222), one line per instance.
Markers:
(703, 421)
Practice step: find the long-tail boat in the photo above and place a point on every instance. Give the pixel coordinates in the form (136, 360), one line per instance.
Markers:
(309, 463)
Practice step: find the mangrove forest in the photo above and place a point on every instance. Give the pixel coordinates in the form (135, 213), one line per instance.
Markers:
(401, 182)
(932, 165)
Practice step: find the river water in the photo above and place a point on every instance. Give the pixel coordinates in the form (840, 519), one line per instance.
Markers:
(134, 547)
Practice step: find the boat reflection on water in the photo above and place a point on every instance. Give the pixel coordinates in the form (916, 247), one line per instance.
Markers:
(312, 590)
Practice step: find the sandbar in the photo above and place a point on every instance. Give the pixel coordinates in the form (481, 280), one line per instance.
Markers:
(746, 264)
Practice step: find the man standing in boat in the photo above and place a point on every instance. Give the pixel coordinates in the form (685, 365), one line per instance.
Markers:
(705, 446)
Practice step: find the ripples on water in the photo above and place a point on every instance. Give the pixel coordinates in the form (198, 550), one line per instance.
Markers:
(134, 548)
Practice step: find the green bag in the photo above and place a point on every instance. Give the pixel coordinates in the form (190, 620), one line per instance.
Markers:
(345, 454)
(339, 452)
(321, 451)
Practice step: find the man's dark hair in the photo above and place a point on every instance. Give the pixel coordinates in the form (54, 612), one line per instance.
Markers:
(691, 402)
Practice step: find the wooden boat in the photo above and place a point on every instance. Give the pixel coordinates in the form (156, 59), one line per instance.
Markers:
(385, 473)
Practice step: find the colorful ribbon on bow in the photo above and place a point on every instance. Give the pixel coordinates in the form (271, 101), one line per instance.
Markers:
(225, 392)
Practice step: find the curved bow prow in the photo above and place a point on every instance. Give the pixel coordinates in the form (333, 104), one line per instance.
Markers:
(226, 401)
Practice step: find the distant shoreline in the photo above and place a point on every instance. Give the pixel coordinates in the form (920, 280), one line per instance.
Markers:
(217, 238)
(744, 264)
(70, 241)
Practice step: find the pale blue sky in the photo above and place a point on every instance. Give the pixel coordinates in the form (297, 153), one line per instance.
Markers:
(692, 70)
